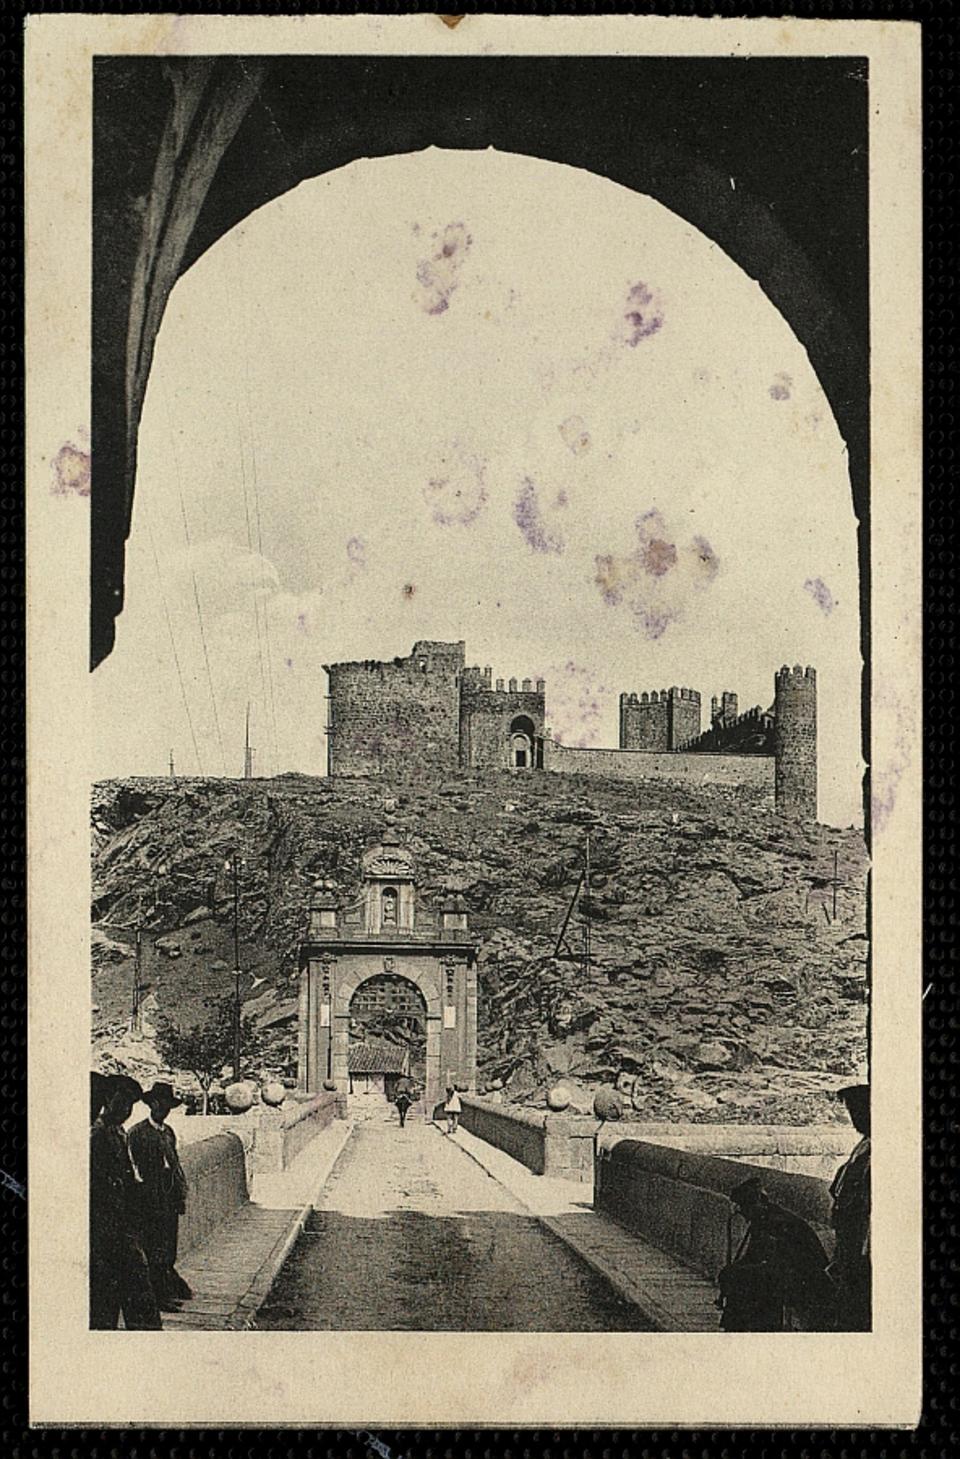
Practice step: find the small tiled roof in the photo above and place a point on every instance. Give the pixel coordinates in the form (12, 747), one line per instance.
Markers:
(377, 1057)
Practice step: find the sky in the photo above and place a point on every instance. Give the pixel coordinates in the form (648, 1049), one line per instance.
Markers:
(475, 395)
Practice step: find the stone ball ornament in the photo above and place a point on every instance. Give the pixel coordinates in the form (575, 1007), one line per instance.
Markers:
(558, 1098)
(239, 1097)
(273, 1093)
(606, 1105)
(330, 1084)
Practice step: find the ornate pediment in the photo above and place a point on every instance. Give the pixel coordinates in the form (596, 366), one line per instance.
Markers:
(387, 862)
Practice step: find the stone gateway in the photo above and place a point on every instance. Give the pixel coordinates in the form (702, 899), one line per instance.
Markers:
(387, 948)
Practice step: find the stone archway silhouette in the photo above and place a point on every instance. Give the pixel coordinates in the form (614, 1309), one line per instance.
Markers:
(186, 147)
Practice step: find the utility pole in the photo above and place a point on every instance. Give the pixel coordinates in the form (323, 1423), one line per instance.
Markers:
(247, 752)
(585, 908)
(136, 1021)
(836, 859)
(172, 771)
(563, 948)
(234, 865)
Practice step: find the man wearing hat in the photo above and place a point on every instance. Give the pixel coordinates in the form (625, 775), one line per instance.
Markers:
(851, 1218)
(163, 1194)
(119, 1275)
(777, 1279)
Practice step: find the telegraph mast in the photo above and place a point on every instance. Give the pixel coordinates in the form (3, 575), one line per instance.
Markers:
(247, 751)
(563, 949)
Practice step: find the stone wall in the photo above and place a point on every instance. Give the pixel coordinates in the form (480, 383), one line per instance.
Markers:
(282, 1133)
(659, 720)
(684, 716)
(486, 719)
(679, 1201)
(555, 1145)
(644, 722)
(756, 771)
(795, 742)
(216, 1175)
(817, 1150)
(400, 717)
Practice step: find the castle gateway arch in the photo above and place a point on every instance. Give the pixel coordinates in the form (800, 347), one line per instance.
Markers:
(389, 946)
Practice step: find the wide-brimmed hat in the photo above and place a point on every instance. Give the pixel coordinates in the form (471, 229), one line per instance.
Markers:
(748, 1191)
(125, 1084)
(856, 1098)
(164, 1094)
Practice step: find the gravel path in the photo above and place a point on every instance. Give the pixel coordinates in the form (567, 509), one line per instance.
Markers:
(412, 1234)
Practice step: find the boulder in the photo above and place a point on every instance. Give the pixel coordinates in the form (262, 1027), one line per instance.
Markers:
(606, 1105)
(712, 1055)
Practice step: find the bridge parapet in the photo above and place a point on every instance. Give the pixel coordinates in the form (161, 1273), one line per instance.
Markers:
(282, 1133)
(216, 1174)
(556, 1145)
(679, 1200)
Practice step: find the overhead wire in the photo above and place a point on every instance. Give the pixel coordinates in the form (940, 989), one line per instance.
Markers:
(250, 546)
(266, 616)
(196, 592)
(173, 642)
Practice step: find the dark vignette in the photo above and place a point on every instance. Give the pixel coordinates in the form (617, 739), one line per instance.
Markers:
(938, 1433)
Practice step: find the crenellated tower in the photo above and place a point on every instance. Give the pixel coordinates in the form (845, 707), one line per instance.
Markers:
(501, 726)
(664, 719)
(795, 742)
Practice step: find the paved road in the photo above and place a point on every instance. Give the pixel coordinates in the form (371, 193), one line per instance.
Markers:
(412, 1234)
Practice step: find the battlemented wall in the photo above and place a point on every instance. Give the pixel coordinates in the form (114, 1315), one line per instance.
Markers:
(662, 719)
(398, 716)
(750, 733)
(429, 714)
(754, 771)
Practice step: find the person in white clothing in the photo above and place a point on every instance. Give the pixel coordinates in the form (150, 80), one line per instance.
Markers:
(451, 1109)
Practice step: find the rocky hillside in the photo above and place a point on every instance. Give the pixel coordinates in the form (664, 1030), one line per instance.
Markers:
(720, 987)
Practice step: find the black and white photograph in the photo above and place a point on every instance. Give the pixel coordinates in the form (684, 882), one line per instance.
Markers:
(487, 655)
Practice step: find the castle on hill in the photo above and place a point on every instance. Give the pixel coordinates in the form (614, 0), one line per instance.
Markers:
(430, 714)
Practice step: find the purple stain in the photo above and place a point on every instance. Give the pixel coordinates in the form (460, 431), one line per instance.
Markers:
(627, 580)
(658, 557)
(439, 275)
(609, 579)
(289, 663)
(650, 522)
(653, 622)
(643, 315)
(581, 707)
(302, 619)
(707, 563)
(781, 388)
(575, 434)
(457, 503)
(71, 469)
(884, 798)
(529, 518)
(820, 594)
(357, 551)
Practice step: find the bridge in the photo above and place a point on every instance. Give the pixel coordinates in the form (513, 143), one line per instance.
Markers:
(325, 1214)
